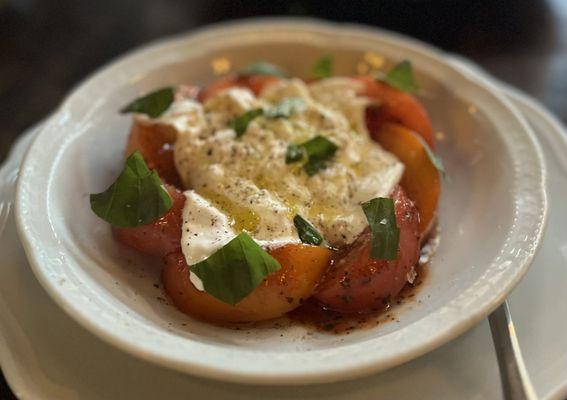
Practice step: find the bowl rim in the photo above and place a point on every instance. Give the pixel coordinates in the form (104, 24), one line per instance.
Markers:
(34, 244)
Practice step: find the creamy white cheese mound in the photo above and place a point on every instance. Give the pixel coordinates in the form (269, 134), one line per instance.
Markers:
(244, 183)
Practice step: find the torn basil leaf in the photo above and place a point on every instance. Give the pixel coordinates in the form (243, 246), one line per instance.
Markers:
(240, 124)
(317, 151)
(235, 270)
(306, 232)
(323, 67)
(137, 197)
(263, 68)
(381, 217)
(401, 77)
(286, 108)
(153, 104)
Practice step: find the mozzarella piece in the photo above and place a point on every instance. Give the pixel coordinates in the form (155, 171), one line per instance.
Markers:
(206, 229)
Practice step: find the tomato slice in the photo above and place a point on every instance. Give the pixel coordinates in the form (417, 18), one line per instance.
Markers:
(395, 106)
(356, 283)
(160, 237)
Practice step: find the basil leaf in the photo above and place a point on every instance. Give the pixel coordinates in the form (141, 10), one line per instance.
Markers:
(307, 233)
(294, 153)
(152, 104)
(286, 108)
(262, 68)
(381, 217)
(234, 271)
(436, 161)
(319, 150)
(240, 124)
(323, 67)
(401, 77)
(137, 197)
(283, 110)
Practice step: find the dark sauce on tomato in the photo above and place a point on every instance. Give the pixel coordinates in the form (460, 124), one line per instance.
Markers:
(314, 315)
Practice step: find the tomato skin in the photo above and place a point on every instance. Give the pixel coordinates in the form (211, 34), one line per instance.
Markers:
(160, 237)
(279, 293)
(256, 83)
(355, 283)
(395, 106)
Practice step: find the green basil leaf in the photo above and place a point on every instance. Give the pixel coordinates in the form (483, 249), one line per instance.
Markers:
(381, 217)
(286, 108)
(262, 68)
(137, 197)
(153, 104)
(401, 77)
(234, 271)
(294, 153)
(323, 68)
(307, 232)
(240, 124)
(319, 150)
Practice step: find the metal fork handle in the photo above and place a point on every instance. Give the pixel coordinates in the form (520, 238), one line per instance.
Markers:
(516, 383)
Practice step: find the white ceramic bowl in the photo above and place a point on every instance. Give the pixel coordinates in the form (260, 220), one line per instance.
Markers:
(491, 216)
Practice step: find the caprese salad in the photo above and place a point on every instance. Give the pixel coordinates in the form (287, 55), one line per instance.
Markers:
(261, 190)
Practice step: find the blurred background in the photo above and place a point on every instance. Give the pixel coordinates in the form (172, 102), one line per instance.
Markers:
(47, 46)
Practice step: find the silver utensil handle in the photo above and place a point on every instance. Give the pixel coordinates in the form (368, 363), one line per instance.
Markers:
(516, 384)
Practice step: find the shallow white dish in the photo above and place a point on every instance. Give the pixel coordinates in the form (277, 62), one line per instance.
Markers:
(493, 211)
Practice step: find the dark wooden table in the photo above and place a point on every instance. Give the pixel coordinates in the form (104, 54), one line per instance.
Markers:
(46, 46)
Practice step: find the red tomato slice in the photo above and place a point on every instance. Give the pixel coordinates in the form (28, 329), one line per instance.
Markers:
(395, 106)
(356, 283)
(158, 238)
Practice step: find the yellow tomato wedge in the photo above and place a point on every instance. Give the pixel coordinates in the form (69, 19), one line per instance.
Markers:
(421, 179)
(281, 292)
